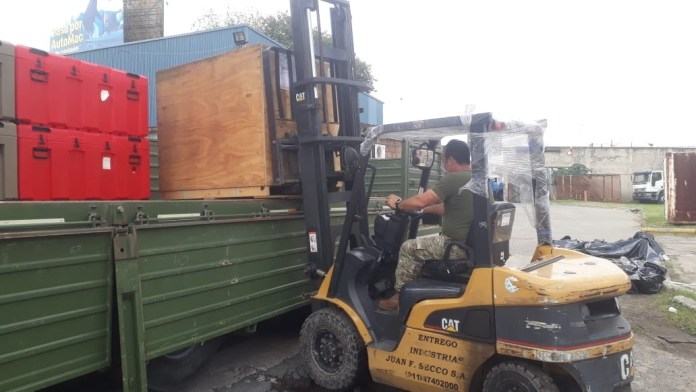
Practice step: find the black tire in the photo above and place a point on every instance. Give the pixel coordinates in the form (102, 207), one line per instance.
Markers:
(167, 372)
(661, 198)
(333, 350)
(518, 377)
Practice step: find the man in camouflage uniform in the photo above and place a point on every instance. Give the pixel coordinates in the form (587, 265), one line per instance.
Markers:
(446, 199)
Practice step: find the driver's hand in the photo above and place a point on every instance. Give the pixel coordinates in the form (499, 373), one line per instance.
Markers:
(391, 201)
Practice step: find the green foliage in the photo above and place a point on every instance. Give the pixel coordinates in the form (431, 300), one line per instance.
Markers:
(279, 28)
(576, 169)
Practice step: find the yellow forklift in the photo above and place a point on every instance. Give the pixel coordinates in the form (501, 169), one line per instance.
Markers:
(467, 325)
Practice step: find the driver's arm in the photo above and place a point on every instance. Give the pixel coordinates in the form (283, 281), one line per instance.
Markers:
(415, 203)
(437, 209)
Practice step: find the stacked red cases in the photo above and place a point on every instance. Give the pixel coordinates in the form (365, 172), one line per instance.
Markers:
(65, 164)
(58, 91)
(83, 129)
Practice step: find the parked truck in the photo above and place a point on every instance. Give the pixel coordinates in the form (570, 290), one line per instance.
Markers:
(649, 186)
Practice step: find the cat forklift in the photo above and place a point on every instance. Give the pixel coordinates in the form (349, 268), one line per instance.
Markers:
(475, 324)
(464, 325)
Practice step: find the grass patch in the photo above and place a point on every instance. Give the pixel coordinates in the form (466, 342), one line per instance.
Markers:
(653, 214)
(685, 318)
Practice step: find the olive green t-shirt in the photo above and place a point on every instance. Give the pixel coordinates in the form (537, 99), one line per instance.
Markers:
(459, 210)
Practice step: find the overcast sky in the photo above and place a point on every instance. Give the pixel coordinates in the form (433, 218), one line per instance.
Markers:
(602, 72)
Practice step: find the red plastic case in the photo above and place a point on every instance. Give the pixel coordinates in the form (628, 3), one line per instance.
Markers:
(131, 103)
(47, 164)
(133, 166)
(99, 97)
(49, 88)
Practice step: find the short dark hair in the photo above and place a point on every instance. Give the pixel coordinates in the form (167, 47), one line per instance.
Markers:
(458, 150)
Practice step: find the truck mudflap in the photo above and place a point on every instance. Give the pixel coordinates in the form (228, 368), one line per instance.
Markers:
(612, 373)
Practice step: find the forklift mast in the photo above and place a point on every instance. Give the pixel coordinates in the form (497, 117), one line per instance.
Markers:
(319, 178)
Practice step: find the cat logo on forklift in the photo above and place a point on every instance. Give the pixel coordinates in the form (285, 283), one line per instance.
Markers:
(450, 325)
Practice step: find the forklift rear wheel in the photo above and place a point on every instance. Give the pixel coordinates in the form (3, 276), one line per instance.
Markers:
(333, 350)
(518, 377)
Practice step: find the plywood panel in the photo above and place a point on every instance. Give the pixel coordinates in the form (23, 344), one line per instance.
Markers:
(212, 124)
(220, 193)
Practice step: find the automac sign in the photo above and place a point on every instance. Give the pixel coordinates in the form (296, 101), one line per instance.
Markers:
(94, 24)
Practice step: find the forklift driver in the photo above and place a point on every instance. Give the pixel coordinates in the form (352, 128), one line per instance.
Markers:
(444, 199)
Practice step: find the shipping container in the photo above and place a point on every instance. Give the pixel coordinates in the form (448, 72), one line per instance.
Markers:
(680, 202)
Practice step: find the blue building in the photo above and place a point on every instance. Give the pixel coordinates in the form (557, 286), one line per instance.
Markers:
(148, 57)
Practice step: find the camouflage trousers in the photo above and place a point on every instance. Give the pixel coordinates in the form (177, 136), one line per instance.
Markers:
(415, 252)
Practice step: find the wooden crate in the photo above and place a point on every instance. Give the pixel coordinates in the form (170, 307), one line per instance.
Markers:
(212, 128)
(218, 119)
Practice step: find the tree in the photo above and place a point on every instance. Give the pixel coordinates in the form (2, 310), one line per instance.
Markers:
(575, 169)
(279, 28)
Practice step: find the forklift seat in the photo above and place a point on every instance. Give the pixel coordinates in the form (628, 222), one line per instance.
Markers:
(421, 289)
(458, 271)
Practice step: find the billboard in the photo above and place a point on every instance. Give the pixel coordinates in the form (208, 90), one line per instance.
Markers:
(94, 24)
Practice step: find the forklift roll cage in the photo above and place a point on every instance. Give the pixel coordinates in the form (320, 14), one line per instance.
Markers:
(316, 151)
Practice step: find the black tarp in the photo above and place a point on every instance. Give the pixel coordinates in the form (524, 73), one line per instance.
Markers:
(640, 257)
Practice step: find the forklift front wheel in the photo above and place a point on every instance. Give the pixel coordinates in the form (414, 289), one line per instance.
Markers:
(333, 350)
(518, 376)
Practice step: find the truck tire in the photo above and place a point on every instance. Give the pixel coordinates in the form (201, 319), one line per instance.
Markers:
(661, 198)
(518, 376)
(166, 373)
(333, 350)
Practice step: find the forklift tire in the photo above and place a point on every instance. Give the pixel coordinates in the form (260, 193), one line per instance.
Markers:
(518, 376)
(333, 350)
(166, 373)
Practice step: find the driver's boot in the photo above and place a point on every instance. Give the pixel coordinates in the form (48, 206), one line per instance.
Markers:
(389, 304)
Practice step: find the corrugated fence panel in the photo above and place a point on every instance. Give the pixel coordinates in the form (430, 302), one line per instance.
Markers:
(55, 306)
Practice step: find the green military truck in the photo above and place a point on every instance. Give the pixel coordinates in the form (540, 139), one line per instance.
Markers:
(85, 286)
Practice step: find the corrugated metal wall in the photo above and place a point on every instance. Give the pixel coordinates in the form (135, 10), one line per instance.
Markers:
(373, 110)
(148, 57)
